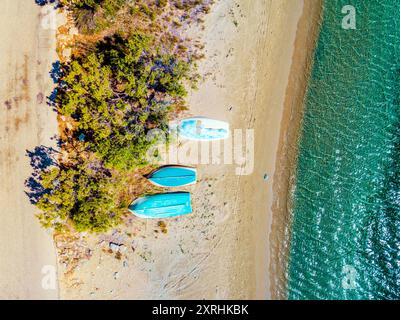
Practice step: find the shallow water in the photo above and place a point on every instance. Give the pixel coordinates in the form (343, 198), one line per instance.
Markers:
(346, 202)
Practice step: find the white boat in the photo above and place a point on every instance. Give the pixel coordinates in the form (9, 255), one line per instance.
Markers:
(203, 129)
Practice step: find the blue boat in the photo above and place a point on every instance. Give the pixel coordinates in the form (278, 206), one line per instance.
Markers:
(203, 129)
(173, 176)
(163, 205)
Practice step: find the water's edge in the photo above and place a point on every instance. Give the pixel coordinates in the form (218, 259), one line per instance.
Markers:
(345, 230)
(306, 37)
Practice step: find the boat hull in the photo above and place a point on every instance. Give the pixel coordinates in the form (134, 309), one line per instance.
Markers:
(164, 205)
(173, 176)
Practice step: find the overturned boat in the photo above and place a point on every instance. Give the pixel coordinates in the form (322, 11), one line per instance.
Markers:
(163, 205)
(203, 129)
(173, 176)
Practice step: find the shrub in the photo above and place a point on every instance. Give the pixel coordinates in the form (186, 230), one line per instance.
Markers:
(118, 93)
(79, 195)
(111, 96)
(114, 95)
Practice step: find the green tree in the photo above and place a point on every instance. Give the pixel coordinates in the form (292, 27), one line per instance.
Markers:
(86, 198)
(119, 92)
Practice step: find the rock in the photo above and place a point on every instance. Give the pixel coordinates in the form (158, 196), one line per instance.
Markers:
(115, 246)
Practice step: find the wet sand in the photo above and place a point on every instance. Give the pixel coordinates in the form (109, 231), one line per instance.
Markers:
(307, 33)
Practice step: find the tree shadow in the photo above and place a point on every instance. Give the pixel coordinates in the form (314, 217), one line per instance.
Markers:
(51, 99)
(44, 2)
(41, 158)
(56, 71)
(56, 74)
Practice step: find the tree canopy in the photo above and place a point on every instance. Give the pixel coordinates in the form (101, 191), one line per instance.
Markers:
(108, 98)
(119, 92)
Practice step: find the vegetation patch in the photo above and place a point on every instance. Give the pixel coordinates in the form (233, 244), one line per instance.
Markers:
(129, 78)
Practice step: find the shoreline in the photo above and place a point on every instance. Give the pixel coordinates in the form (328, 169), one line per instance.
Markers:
(346, 193)
(307, 33)
(264, 90)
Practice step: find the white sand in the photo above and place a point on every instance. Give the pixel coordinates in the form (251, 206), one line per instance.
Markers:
(27, 50)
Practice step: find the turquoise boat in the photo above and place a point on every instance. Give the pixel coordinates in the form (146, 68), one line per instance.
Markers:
(173, 176)
(203, 129)
(163, 205)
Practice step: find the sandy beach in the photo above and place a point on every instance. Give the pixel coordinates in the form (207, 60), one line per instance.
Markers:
(254, 61)
(222, 250)
(257, 60)
(27, 50)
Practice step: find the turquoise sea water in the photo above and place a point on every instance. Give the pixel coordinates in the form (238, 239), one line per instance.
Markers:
(346, 203)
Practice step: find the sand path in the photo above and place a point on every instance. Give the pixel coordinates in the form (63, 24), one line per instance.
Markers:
(27, 50)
